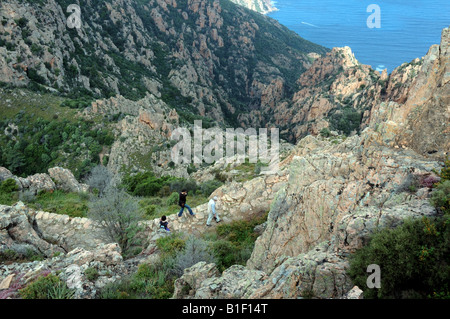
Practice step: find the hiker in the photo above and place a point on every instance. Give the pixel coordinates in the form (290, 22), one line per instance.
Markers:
(182, 203)
(212, 211)
(163, 223)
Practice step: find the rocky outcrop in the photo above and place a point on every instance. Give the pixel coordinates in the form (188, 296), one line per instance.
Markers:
(58, 178)
(316, 274)
(19, 234)
(339, 191)
(202, 281)
(339, 93)
(65, 180)
(420, 119)
(143, 129)
(46, 233)
(74, 268)
(261, 6)
(327, 182)
(32, 184)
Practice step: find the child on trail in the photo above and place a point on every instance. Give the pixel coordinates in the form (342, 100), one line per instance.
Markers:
(212, 211)
(182, 203)
(163, 223)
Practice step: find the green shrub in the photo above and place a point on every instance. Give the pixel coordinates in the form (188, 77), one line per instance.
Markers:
(325, 132)
(445, 171)
(173, 199)
(91, 274)
(225, 253)
(60, 291)
(46, 287)
(149, 211)
(236, 242)
(146, 184)
(209, 187)
(8, 186)
(440, 198)
(414, 259)
(170, 245)
(60, 202)
(8, 255)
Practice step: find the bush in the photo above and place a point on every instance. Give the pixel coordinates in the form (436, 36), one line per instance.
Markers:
(440, 198)
(195, 250)
(225, 253)
(209, 187)
(236, 242)
(325, 132)
(119, 215)
(99, 178)
(91, 274)
(444, 174)
(8, 186)
(145, 184)
(181, 183)
(170, 245)
(414, 259)
(60, 291)
(173, 199)
(46, 287)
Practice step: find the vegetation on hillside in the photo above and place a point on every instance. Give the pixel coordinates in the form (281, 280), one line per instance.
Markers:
(228, 245)
(414, 258)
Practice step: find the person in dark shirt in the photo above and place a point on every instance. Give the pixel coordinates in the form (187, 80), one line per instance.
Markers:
(182, 203)
(163, 223)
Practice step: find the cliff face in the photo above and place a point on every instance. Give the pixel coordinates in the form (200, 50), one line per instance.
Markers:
(202, 57)
(340, 190)
(419, 119)
(339, 93)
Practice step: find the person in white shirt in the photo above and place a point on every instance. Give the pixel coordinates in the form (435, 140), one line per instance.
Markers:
(212, 211)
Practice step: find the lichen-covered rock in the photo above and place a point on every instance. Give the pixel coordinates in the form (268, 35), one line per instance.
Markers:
(328, 181)
(5, 174)
(193, 278)
(354, 293)
(18, 232)
(202, 281)
(105, 260)
(316, 274)
(65, 180)
(23, 228)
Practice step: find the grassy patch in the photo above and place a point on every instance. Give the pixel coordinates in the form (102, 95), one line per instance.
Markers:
(235, 242)
(60, 202)
(45, 106)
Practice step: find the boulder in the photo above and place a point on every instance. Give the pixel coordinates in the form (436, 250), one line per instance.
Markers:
(17, 229)
(202, 281)
(65, 180)
(355, 293)
(5, 174)
(71, 268)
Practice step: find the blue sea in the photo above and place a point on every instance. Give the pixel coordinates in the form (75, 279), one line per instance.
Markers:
(407, 27)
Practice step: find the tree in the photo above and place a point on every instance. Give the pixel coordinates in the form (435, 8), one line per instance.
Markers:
(119, 215)
(99, 178)
(195, 251)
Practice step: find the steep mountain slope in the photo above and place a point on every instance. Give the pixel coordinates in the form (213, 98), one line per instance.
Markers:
(340, 191)
(210, 58)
